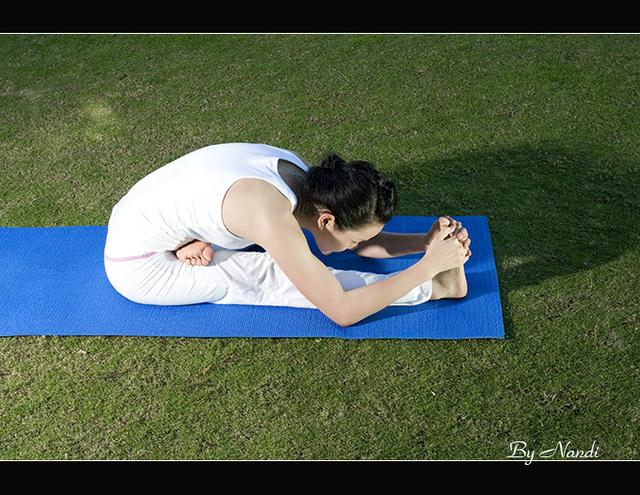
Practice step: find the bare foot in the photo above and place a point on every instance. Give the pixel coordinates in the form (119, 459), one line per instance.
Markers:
(452, 283)
(196, 253)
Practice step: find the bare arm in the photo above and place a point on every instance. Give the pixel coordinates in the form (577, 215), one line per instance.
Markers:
(391, 245)
(283, 239)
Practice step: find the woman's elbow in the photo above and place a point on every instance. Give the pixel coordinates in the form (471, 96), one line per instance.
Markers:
(340, 318)
(344, 320)
(336, 308)
(343, 324)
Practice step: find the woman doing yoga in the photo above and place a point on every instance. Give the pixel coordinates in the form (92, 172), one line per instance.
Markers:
(177, 236)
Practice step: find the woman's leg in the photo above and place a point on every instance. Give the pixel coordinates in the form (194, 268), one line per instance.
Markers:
(232, 277)
(163, 279)
(255, 278)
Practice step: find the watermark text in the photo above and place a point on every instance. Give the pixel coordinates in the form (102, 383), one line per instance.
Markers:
(563, 450)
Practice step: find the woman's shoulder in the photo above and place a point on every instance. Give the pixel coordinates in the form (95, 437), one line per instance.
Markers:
(253, 205)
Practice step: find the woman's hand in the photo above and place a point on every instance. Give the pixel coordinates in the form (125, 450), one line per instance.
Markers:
(445, 252)
(445, 222)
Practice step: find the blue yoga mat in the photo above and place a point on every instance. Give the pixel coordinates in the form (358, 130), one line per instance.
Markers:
(52, 282)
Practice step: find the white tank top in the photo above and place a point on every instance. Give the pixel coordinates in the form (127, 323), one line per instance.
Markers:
(182, 200)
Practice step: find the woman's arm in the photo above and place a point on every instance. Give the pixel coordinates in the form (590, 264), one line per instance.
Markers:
(391, 245)
(281, 236)
(290, 250)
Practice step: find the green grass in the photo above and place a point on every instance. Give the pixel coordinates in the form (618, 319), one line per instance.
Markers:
(540, 133)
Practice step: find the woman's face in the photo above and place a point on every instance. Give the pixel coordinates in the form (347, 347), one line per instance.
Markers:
(331, 240)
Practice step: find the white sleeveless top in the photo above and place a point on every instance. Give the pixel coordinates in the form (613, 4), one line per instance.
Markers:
(182, 200)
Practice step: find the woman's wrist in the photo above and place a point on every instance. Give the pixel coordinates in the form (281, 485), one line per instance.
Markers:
(426, 266)
(418, 243)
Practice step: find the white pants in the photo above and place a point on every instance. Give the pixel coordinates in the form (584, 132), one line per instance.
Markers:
(232, 277)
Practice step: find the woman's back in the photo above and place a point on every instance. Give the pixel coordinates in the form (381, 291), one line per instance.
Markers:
(182, 200)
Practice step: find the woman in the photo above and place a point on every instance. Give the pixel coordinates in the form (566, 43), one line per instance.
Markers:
(175, 237)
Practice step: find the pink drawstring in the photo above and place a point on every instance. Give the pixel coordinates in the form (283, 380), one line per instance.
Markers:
(130, 258)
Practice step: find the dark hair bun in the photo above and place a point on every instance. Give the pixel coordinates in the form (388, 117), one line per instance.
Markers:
(332, 162)
(355, 192)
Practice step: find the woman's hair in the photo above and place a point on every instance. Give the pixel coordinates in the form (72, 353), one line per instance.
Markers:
(355, 192)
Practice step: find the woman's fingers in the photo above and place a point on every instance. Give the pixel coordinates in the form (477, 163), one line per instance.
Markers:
(460, 232)
(455, 224)
(455, 229)
(447, 231)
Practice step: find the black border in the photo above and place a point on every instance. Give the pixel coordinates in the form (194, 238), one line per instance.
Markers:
(319, 17)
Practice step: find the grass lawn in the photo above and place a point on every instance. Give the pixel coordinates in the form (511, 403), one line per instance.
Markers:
(541, 133)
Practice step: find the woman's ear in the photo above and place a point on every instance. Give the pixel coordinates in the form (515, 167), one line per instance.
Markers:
(324, 218)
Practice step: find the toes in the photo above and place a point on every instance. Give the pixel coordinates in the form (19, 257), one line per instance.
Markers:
(465, 244)
(453, 222)
(207, 254)
(451, 225)
(457, 226)
(463, 234)
(444, 222)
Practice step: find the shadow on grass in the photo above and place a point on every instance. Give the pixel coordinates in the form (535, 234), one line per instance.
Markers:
(553, 210)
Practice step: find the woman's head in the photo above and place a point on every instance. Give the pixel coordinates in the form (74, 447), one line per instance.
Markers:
(346, 202)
